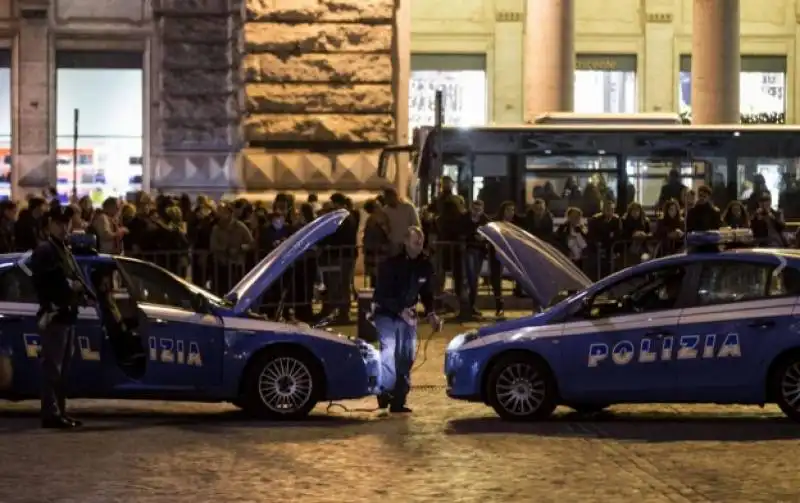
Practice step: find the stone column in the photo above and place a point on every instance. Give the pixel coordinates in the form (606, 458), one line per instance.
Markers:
(195, 133)
(401, 70)
(33, 164)
(549, 57)
(716, 62)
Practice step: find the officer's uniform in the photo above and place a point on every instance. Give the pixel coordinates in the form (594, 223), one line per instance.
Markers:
(402, 282)
(54, 273)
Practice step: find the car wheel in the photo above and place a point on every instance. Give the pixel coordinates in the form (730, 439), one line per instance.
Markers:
(786, 386)
(281, 385)
(520, 388)
(587, 408)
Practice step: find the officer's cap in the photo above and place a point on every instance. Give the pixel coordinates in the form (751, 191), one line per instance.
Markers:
(60, 214)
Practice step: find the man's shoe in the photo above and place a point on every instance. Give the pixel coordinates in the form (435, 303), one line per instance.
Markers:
(401, 409)
(75, 423)
(57, 423)
(383, 400)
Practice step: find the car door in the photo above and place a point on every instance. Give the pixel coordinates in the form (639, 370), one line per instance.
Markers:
(740, 315)
(618, 345)
(19, 340)
(86, 372)
(184, 348)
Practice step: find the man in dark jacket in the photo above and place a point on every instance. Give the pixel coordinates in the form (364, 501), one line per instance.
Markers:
(604, 233)
(673, 189)
(339, 256)
(403, 280)
(58, 285)
(475, 251)
(703, 216)
(28, 229)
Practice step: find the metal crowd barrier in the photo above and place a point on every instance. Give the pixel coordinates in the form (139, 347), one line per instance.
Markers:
(328, 279)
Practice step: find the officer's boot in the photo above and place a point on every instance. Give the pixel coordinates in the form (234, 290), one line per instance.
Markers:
(384, 399)
(499, 308)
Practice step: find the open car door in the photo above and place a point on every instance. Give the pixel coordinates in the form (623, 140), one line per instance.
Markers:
(539, 267)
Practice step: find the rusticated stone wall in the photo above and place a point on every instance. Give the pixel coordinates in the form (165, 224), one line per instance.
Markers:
(321, 80)
(196, 126)
(319, 71)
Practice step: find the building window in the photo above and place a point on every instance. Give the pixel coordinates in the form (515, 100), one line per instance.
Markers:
(106, 88)
(5, 124)
(461, 77)
(762, 88)
(605, 83)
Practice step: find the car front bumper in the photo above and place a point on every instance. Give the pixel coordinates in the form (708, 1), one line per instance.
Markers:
(462, 372)
(372, 362)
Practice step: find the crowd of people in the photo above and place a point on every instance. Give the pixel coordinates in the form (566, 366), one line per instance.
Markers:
(214, 244)
(600, 242)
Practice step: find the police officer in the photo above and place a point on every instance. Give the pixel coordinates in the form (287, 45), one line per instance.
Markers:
(403, 280)
(60, 290)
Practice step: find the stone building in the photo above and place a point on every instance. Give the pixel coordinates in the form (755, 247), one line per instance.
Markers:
(258, 96)
(236, 96)
(321, 84)
(629, 55)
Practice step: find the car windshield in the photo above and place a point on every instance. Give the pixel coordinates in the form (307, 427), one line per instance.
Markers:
(213, 299)
(192, 288)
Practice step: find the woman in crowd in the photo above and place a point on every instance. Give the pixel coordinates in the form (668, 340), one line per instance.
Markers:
(635, 231)
(735, 216)
(670, 228)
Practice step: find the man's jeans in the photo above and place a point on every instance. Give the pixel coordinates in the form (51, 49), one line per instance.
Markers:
(338, 285)
(472, 273)
(398, 347)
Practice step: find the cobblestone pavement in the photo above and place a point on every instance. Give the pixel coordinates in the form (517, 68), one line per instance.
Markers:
(446, 451)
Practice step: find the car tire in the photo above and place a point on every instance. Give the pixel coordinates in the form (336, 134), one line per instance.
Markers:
(281, 385)
(521, 388)
(785, 385)
(587, 408)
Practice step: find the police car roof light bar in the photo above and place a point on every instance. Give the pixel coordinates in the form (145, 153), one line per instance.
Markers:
(83, 243)
(724, 236)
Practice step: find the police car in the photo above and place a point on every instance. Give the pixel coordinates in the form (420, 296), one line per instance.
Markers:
(168, 339)
(715, 326)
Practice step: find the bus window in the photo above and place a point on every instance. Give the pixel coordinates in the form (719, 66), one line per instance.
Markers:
(480, 176)
(763, 174)
(566, 181)
(491, 180)
(648, 175)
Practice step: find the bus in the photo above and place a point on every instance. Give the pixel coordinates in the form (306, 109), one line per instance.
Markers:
(570, 118)
(629, 158)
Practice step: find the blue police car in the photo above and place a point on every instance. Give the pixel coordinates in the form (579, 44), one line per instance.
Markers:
(719, 326)
(153, 335)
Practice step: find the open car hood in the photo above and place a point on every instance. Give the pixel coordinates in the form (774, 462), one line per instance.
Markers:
(540, 269)
(261, 277)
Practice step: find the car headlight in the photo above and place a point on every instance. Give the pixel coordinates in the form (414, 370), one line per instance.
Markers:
(470, 336)
(462, 339)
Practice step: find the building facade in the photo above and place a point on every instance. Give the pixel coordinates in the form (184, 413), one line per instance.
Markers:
(254, 96)
(201, 96)
(629, 56)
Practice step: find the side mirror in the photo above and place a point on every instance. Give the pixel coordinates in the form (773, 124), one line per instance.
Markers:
(200, 303)
(626, 303)
(327, 319)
